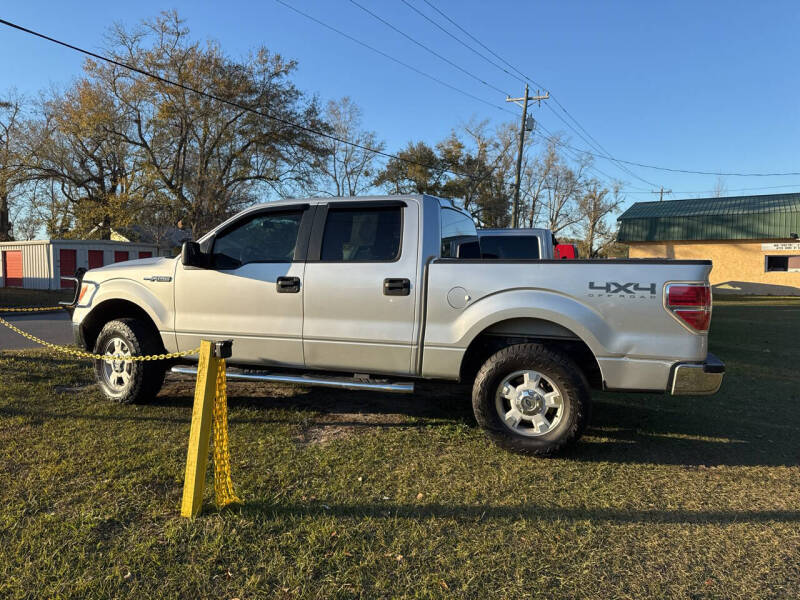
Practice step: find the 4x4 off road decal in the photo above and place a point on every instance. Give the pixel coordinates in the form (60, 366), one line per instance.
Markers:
(623, 290)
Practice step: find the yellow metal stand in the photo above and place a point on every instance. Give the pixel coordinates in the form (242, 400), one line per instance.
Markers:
(209, 405)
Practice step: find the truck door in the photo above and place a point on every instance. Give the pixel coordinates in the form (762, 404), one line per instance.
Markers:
(253, 289)
(361, 287)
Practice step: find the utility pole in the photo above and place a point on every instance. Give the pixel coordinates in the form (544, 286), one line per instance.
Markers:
(661, 193)
(524, 100)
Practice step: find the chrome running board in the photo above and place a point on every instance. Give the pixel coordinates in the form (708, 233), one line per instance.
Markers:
(400, 387)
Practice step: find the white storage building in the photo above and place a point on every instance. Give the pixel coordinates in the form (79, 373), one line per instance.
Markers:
(41, 264)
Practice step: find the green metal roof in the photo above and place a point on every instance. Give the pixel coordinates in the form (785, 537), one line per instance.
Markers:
(773, 216)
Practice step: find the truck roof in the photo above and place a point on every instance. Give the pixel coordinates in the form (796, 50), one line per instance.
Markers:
(516, 231)
(443, 202)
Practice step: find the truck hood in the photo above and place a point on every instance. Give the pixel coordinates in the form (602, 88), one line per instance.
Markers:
(133, 269)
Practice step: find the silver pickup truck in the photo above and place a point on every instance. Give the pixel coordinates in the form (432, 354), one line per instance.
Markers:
(369, 294)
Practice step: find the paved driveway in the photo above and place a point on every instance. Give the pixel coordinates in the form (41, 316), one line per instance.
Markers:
(54, 327)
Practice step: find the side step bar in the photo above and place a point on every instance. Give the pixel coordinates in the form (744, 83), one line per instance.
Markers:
(331, 382)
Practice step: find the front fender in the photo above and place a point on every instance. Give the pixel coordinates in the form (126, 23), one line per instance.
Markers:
(157, 306)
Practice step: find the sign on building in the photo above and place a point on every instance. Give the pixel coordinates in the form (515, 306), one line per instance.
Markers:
(780, 246)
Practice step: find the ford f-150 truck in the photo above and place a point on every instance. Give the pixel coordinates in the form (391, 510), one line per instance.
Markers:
(369, 293)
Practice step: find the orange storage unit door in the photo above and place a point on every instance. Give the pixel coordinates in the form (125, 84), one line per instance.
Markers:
(95, 259)
(120, 255)
(12, 268)
(68, 261)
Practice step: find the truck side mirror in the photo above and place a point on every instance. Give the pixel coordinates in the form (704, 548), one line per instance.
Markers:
(192, 255)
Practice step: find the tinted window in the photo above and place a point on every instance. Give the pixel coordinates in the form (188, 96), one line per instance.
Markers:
(457, 229)
(510, 246)
(362, 234)
(268, 237)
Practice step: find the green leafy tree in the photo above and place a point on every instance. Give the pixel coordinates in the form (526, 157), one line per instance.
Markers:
(418, 169)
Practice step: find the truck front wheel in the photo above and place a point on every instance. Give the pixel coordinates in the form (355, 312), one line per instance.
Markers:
(531, 399)
(127, 381)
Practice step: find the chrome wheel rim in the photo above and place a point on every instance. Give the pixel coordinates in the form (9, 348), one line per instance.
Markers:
(529, 403)
(117, 373)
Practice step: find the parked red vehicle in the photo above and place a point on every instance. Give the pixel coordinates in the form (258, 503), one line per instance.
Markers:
(566, 251)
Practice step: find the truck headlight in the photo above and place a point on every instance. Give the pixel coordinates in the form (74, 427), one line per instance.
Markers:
(88, 290)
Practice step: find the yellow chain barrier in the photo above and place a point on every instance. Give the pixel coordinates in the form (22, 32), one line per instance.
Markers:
(82, 354)
(223, 484)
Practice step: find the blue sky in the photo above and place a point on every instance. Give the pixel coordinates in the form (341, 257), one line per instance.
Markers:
(696, 85)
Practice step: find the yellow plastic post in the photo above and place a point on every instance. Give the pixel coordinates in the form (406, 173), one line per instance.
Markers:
(197, 456)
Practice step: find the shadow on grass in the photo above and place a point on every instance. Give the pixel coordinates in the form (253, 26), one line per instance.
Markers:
(431, 401)
(533, 513)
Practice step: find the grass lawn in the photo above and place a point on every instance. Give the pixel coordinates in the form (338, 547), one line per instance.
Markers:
(350, 494)
(18, 297)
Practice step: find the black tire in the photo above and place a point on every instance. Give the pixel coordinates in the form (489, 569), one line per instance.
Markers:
(558, 368)
(142, 379)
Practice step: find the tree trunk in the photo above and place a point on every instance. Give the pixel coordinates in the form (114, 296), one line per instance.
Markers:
(5, 223)
(105, 228)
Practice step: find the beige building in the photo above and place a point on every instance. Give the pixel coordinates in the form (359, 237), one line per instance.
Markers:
(752, 240)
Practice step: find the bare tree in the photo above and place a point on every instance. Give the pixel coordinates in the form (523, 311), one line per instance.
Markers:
(346, 170)
(563, 186)
(720, 188)
(210, 158)
(96, 174)
(595, 205)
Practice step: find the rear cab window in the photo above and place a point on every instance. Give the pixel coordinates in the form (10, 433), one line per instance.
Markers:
(510, 246)
(459, 235)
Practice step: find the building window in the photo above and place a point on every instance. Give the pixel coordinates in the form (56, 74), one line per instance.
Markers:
(782, 263)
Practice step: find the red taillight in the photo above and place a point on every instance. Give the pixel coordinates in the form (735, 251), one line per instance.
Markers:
(691, 304)
(688, 295)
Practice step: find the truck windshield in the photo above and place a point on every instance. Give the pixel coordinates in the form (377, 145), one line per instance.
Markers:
(510, 246)
(459, 236)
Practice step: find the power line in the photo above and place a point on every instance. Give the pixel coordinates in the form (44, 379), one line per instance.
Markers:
(689, 171)
(460, 41)
(426, 48)
(594, 144)
(604, 154)
(416, 70)
(484, 46)
(390, 57)
(747, 189)
(237, 105)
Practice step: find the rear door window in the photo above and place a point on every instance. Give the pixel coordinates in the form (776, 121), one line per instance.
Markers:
(362, 234)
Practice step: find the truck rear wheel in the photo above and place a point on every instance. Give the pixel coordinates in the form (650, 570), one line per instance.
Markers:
(531, 400)
(127, 381)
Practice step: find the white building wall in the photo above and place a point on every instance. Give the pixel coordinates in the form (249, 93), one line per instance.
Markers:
(41, 260)
(35, 263)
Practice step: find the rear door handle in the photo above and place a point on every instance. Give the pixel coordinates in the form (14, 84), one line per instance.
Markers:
(288, 285)
(396, 287)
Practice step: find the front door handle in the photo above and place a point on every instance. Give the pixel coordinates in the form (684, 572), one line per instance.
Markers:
(288, 285)
(396, 287)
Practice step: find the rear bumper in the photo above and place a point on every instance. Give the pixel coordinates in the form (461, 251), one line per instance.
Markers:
(697, 379)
